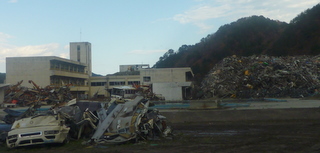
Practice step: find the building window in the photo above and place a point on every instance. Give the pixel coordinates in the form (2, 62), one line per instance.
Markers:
(146, 79)
(189, 76)
(78, 53)
(133, 82)
(130, 91)
(98, 83)
(116, 83)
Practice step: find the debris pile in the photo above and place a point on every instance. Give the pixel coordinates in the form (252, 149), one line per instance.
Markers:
(263, 76)
(23, 96)
(100, 122)
(123, 122)
(146, 90)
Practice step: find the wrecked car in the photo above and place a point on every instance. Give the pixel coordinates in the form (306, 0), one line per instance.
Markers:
(57, 125)
(38, 130)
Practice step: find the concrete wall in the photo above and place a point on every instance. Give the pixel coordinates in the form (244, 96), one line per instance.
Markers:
(28, 68)
(165, 74)
(170, 90)
(100, 89)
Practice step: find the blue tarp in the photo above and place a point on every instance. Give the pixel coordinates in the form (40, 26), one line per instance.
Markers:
(5, 127)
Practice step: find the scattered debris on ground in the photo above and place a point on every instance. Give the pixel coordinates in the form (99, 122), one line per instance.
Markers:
(263, 76)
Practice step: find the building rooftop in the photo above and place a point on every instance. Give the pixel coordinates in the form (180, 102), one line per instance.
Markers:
(126, 73)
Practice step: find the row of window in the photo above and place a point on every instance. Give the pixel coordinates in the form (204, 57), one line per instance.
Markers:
(66, 67)
(114, 83)
(58, 80)
(98, 83)
(133, 82)
(117, 83)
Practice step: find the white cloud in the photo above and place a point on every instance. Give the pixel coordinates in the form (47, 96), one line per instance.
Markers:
(36, 50)
(201, 14)
(147, 51)
(304, 4)
(64, 55)
(4, 37)
(203, 27)
(208, 11)
(12, 1)
(66, 47)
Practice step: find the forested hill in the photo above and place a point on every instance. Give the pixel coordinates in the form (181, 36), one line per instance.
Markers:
(249, 36)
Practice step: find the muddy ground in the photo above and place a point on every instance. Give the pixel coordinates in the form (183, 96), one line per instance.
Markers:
(231, 136)
(253, 136)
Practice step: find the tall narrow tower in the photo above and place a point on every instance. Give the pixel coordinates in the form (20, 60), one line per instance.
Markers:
(81, 52)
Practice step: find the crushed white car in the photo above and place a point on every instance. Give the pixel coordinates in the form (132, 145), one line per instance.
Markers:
(37, 130)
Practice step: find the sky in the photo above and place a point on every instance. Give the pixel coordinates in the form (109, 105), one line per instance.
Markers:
(123, 32)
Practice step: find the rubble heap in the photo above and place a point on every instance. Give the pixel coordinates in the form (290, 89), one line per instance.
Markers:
(263, 76)
(23, 96)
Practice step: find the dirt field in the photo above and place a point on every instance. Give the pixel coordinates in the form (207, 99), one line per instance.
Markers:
(274, 135)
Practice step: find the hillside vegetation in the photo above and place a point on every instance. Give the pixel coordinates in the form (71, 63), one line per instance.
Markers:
(248, 36)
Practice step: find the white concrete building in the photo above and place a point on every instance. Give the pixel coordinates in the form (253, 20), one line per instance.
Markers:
(171, 83)
(48, 70)
(137, 67)
(54, 71)
(81, 52)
